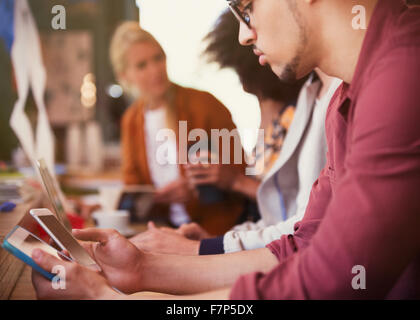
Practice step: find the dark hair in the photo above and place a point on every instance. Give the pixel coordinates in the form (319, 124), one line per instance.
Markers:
(223, 48)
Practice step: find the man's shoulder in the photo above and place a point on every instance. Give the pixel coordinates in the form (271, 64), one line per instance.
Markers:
(406, 29)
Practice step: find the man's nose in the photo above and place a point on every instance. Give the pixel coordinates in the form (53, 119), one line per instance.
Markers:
(247, 36)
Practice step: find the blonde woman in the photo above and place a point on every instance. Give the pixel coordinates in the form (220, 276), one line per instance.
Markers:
(139, 63)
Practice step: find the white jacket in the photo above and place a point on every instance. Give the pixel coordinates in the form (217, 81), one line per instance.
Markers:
(301, 160)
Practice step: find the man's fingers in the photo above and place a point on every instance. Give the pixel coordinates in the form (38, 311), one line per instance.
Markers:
(169, 230)
(45, 260)
(183, 228)
(88, 247)
(93, 234)
(66, 253)
(41, 285)
(151, 225)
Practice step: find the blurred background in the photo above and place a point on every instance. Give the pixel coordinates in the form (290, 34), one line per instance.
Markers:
(84, 102)
(82, 94)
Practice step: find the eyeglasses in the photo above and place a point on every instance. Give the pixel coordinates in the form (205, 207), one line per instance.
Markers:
(241, 15)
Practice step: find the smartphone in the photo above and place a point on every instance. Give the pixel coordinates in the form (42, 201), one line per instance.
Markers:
(54, 193)
(207, 193)
(21, 244)
(138, 200)
(62, 237)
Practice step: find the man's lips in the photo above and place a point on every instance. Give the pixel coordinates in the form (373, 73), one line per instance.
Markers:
(261, 57)
(257, 52)
(263, 60)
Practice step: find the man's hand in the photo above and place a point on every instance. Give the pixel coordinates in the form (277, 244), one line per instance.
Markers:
(193, 231)
(179, 191)
(165, 242)
(80, 282)
(118, 258)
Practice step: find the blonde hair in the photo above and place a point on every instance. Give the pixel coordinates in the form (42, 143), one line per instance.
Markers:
(127, 34)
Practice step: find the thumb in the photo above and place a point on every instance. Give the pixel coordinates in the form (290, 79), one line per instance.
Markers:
(45, 260)
(184, 229)
(151, 225)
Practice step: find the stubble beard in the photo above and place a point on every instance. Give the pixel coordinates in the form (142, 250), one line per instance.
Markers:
(289, 73)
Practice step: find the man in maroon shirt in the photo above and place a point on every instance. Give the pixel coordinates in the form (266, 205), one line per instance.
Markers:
(360, 235)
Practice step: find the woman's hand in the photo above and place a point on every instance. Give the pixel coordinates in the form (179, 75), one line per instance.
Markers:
(179, 191)
(220, 175)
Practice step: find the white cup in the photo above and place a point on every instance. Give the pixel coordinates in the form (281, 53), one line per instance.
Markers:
(109, 197)
(116, 219)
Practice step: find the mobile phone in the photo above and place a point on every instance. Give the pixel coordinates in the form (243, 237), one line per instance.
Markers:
(21, 243)
(138, 200)
(54, 193)
(207, 193)
(62, 237)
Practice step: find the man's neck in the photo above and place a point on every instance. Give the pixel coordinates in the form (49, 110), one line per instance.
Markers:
(326, 82)
(342, 42)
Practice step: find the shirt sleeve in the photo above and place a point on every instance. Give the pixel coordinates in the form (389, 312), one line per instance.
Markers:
(238, 240)
(373, 218)
(248, 226)
(211, 246)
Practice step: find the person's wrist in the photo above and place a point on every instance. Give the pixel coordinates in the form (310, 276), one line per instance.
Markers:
(193, 247)
(143, 272)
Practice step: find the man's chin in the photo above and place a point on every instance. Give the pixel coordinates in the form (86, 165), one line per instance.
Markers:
(285, 73)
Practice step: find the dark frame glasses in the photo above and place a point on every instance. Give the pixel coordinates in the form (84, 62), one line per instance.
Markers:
(233, 6)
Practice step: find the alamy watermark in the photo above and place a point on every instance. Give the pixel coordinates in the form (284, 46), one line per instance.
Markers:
(59, 280)
(58, 22)
(220, 145)
(359, 20)
(359, 280)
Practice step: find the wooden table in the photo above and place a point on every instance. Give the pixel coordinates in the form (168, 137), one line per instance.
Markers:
(22, 288)
(11, 268)
(15, 276)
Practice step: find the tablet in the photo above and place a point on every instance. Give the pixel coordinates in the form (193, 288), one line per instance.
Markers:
(138, 200)
(62, 237)
(21, 243)
(53, 192)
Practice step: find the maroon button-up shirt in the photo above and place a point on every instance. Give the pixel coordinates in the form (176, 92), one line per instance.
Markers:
(364, 210)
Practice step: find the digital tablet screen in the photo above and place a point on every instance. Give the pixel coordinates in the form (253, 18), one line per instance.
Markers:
(27, 243)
